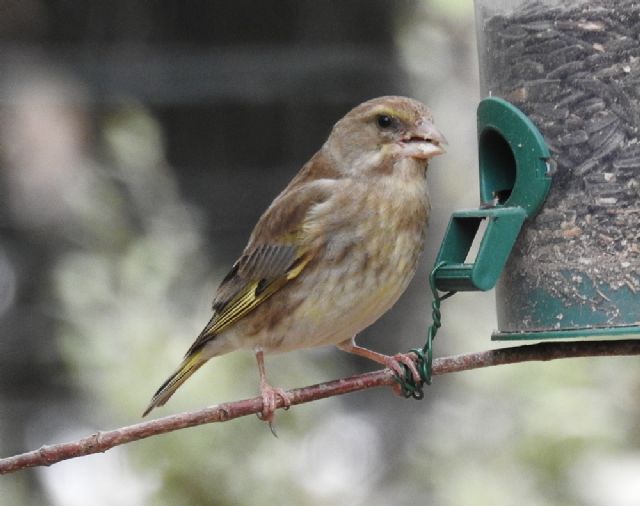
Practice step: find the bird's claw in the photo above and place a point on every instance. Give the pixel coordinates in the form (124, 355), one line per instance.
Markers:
(270, 396)
(395, 363)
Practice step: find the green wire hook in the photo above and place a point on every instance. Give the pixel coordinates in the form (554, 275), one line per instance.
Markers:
(425, 354)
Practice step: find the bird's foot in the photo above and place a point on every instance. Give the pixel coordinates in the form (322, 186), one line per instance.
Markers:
(270, 396)
(395, 363)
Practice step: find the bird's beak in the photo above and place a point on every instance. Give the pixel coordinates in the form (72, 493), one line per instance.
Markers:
(424, 142)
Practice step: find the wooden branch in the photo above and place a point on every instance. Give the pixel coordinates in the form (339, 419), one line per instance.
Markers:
(103, 441)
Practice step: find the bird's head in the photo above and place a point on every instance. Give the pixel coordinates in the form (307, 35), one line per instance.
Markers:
(379, 132)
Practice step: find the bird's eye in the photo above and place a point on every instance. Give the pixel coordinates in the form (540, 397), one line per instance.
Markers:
(384, 120)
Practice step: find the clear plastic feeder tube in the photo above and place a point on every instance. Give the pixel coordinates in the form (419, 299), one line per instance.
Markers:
(574, 69)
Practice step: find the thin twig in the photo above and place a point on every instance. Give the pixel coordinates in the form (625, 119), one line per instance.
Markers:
(103, 441)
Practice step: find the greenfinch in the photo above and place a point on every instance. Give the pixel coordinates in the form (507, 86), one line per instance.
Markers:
(333, 252)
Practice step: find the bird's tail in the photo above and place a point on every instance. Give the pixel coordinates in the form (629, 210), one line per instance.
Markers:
(190, 364)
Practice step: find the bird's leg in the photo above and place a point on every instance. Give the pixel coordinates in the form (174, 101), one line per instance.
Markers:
(391, 361)
(269, 394)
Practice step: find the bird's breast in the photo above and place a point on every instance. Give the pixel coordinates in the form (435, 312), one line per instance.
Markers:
(369, 243)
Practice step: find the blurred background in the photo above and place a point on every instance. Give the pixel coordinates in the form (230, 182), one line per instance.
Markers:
(139, 143)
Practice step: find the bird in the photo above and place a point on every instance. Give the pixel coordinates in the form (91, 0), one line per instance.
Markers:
(334, 250)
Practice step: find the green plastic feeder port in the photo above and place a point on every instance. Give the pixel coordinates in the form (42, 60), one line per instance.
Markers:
(514, 182)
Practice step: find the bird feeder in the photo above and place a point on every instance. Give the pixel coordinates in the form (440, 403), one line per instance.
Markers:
(567, 120)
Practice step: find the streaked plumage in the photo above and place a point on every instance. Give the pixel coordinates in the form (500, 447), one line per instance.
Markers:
(335, 249)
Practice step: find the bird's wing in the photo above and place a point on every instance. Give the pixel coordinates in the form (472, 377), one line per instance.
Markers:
(276, 254)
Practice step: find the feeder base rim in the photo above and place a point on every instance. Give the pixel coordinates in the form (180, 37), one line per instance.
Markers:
(614, 332)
